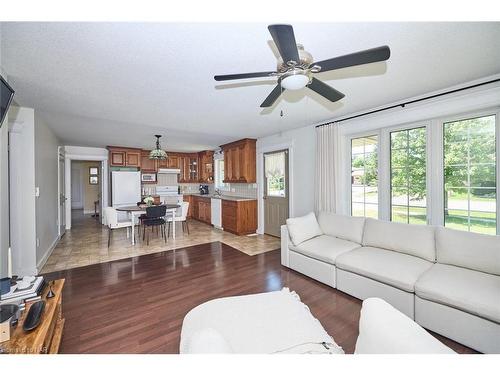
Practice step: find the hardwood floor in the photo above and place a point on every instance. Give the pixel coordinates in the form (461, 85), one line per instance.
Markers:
(137, 305)
(87, 243)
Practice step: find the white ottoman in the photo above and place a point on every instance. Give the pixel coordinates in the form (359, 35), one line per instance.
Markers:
(275, 322)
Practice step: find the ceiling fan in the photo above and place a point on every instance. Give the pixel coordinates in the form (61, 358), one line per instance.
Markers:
(296, 66)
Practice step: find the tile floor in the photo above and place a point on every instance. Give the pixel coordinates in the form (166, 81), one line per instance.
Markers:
(86, 243)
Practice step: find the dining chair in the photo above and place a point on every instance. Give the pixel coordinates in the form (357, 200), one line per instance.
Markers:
(155, 218)
(181, 215)
(111, 220)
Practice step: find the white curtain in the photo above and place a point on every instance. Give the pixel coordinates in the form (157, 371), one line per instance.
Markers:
(326, 181)
(275, 164)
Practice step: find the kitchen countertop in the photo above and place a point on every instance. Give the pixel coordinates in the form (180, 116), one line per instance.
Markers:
(224, 197)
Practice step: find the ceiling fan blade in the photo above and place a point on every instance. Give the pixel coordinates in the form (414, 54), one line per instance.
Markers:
(358, 58)
(325, 90)
(284, 39)
(271, 98)
(228, 77)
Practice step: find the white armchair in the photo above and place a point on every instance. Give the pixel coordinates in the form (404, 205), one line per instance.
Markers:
(111, 220)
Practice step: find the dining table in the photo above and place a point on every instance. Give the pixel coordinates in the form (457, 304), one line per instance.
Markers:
(137, 210)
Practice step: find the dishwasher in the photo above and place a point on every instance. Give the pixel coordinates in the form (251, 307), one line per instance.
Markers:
(216, 212)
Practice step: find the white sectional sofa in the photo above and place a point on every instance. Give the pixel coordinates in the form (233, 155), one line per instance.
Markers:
(446, 280)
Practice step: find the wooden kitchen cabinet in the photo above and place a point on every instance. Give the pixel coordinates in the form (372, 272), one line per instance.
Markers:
(124, 157)
(202, 210)
(206, 166)
(148, 165)
(239, 217)
(240, 161)
(171, 162)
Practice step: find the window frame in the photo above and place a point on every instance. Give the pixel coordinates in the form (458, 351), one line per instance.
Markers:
(387, 133)
(218, 182)
(467, 116)
(376, 133)
(434, 163)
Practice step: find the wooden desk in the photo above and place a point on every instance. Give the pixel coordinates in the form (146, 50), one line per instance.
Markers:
(46, 338)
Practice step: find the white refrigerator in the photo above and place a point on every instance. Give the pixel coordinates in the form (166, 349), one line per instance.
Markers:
(125, 189)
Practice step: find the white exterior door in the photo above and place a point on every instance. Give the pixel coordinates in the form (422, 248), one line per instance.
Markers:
(275, 191)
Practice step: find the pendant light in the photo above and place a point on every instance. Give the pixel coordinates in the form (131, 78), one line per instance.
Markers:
(158, 153)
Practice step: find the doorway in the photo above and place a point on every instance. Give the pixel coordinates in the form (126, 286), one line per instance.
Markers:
(85, 189)
(276, 191)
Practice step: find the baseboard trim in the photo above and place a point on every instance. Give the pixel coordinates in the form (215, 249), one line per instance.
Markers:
(47, 254)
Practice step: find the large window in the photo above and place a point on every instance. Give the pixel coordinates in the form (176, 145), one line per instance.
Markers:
(219, 174)
(470, 175)
(364, 176)
(408, 176)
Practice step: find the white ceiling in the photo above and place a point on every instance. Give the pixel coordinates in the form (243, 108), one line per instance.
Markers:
(97, 84)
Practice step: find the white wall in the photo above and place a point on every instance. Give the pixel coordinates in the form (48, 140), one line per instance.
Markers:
(303, 140)
(22, 190)
(302, 143)
(46, 164)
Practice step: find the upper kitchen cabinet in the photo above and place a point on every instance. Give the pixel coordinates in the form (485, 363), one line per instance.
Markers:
(206, 166)
(188, 165)
(124, 157)
(240, 161)
(147, 164)
(171, 162)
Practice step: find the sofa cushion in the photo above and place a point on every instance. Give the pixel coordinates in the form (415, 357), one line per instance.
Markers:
(411, 239)
(324, 248)
(346, 227)
(389, 267)
(480, 252)
(471, 291)
(303, 228)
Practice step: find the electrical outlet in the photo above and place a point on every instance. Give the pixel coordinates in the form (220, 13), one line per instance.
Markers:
(37, 191)
(37, 242)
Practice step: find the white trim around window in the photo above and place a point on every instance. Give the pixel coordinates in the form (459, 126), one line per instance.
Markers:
(434, 164)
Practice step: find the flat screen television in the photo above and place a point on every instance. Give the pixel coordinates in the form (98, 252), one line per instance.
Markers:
(6, 95)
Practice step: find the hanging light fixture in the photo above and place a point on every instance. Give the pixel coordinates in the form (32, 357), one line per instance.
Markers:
(158, 153)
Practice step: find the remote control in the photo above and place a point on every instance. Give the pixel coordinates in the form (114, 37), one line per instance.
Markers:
(34, 316)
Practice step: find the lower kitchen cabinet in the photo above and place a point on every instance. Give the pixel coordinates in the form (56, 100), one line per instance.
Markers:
(239, 217)
(202, 210)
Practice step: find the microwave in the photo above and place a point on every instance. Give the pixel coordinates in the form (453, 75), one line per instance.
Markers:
(149, 178)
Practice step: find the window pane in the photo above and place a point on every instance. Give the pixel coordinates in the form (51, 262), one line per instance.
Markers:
(364, 177)
(408, 176)
(274, 169)
(470, 175)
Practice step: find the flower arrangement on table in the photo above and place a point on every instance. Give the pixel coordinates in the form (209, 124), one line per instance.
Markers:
(149, 201)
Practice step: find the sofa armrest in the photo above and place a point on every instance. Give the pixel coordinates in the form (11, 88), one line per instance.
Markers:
(285, 245)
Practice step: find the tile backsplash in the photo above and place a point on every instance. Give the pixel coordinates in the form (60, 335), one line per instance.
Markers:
(235, 190)
(240, 190)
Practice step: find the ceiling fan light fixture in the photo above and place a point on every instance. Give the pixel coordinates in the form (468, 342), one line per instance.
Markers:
(157, 153)
(295, 81)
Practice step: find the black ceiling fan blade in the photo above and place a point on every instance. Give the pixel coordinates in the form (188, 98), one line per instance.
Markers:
(284, 39)
(272, 97)
(358, 58)
(228, 77)
(325, 90)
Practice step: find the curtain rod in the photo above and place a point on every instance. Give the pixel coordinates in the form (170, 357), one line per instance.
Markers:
(402, 105)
